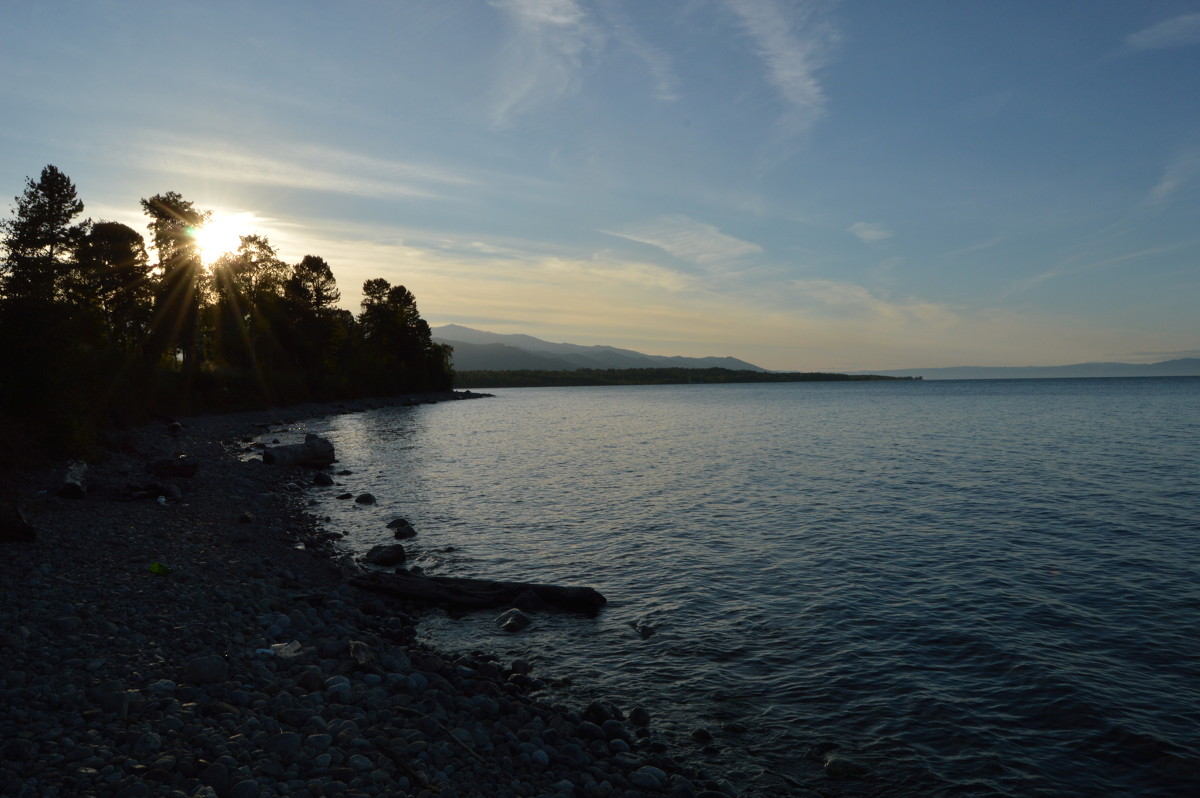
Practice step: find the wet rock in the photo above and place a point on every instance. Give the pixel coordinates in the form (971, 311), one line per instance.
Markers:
(842, 767)
(385, 554)
(364, 498)
(345, 495)
(322, 479)
(402, 529)
(513, 621)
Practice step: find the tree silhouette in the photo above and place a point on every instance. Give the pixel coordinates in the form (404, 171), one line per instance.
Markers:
(40, 241)
(113, 278)
(177, 297)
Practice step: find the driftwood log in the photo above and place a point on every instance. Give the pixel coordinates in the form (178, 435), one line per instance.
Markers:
(315, 452)
(475, 594)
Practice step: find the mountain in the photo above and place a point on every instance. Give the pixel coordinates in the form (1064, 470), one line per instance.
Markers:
(476, 350)
(1182, 367)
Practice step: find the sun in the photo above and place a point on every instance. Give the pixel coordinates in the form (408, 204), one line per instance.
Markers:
(222, 233)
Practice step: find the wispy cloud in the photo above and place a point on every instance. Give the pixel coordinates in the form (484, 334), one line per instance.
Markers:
(793, 43)
(292, 166)
(1180, 170)
(869, 232)
(687, 239)
(1178, 31)
(543, 58)
(1065, 270)
(657, 61)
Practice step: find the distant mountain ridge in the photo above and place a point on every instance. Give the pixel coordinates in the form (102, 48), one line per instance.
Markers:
(477, 350)
(1180, 367)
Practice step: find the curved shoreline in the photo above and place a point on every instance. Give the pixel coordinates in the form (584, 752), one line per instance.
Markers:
(118, 680)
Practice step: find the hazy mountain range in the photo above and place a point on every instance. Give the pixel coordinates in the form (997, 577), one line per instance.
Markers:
(476, 350)
(1181, 367)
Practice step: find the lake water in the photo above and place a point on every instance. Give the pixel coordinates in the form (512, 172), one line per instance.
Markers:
(972, 588)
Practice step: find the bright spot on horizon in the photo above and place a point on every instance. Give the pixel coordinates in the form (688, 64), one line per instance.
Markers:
(222, 234)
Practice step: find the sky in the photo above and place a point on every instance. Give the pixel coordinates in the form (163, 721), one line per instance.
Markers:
(803, 184)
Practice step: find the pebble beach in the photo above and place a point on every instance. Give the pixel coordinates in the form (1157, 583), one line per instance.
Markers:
(196, 637)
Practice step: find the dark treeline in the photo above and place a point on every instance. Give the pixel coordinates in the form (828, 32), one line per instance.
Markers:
(530, 378)
(95, 332)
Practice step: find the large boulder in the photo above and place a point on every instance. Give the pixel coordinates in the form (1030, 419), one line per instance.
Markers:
(385, 554)
(315, 452)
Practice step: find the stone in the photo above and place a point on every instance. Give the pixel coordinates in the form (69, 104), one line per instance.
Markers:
(402, 529)
(206, 670)
(648, 777)
(175, 467)
(364, 498)
(315, 452)
(322, 479)
(385, 554)
(842, 767)
(284, 744)
(513, 620)
(75, 482)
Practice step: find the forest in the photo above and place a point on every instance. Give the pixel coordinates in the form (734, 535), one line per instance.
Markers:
(530, 378)
(95, 332)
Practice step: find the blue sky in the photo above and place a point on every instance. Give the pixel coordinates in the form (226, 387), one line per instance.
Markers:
(805, 185)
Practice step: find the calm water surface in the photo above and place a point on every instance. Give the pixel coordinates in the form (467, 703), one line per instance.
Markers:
(971, 587)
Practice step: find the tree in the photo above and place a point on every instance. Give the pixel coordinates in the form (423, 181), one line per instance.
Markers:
(312, 284)
(113, 278)
(178, 292)
(397, 343)
(248, 305)
(40, 241)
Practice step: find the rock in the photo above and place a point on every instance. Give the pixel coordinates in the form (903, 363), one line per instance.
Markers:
(360, 652)
(284, 744)
(385, 554)
(75, 482)
(841, 767)
(513, 621)
(402, 529)
(364, 498)
(206, 670)
(345, 495)
(174, 428)
(648, 777)
(14, 527)
(322, 479)
(315, 452)
(147, 744)
(176, 467)
(638, 716)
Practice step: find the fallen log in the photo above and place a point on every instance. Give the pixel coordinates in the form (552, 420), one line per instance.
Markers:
(315, 452)
(477, 594)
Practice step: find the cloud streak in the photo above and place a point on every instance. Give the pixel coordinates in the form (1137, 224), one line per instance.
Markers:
(1180, 171)
(542, 60)
(1180, 31)
(688, 239)
(793, 45)
(344, 173)
(869, 232)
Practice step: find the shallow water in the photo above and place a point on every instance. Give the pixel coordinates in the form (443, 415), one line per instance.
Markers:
(971, 587)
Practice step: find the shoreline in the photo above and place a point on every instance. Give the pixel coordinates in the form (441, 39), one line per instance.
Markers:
(124, 679)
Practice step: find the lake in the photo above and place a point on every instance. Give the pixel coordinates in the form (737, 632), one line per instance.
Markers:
(970, 588)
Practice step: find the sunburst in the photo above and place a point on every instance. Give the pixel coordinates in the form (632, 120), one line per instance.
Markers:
(222, 233)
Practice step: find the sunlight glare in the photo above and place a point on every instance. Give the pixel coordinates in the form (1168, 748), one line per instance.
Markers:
(222, 233)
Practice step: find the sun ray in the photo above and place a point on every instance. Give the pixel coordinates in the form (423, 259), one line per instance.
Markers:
(222, 233)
